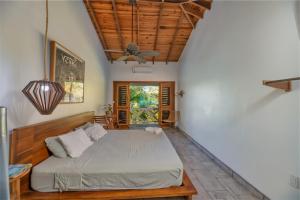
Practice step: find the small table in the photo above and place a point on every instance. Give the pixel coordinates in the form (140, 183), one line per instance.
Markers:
(15, 192)
(110, 122)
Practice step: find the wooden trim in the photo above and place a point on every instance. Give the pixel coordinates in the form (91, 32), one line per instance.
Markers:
(171, 107)
(144, 81)
(282, 85)
(187, 189)
(283, 80)
(97, 26)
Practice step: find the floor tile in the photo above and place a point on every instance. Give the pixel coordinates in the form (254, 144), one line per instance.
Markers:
(233, 186)
(210, 180)
(221, 195)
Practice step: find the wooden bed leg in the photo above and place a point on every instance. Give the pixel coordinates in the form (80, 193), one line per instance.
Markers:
(190, 197)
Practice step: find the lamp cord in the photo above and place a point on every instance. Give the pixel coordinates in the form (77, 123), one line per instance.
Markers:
(45, 44)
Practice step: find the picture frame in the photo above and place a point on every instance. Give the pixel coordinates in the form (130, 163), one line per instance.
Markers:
(68, 69)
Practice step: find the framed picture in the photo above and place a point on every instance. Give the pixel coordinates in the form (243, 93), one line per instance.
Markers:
(68, 69)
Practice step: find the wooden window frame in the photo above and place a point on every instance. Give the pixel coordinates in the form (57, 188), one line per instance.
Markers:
(116, 108)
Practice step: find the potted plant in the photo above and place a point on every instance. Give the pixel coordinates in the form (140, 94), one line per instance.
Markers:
(108, 109)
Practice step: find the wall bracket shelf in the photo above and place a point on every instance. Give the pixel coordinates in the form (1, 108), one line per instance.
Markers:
(283, 84)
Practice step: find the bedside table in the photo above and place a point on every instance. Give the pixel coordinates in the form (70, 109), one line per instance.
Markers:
(15, 192)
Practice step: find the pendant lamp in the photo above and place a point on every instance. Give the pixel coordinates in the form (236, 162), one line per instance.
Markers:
(45, 95)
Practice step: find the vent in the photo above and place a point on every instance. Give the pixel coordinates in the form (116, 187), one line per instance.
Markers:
(142, 69)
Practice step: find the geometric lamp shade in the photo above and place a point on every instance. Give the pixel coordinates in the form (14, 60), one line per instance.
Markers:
(44, 95)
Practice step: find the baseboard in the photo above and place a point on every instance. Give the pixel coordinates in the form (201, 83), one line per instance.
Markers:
(227, 169)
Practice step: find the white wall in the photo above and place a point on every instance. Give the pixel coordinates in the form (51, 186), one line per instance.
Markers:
(252, 128)
(297, 17)
(119, 71)
(21, 58)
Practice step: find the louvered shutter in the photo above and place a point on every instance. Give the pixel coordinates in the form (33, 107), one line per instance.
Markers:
(167, 101)
(121, 103)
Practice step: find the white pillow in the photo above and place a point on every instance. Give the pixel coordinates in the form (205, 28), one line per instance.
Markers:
(75, 143)
(150, 129)
(84, 126)
(95, 132)
(158, 131)
(155, 130)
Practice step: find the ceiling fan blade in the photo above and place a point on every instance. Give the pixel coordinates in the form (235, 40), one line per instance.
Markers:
(149, 53)
(140, 59)
(113, 50)
(132, 46)
(122, 58)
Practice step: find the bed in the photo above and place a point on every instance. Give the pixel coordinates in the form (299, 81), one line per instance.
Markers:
(121, 165)
(122, 159)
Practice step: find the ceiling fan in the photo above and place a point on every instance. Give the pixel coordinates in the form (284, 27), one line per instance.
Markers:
(132, 50)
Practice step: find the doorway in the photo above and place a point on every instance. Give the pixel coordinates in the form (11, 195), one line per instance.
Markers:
(143, 103)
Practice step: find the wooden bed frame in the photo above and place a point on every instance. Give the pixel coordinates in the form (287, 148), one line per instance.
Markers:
(27, 146)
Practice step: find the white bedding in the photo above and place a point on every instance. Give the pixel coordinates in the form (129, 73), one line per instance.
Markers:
(121, 159)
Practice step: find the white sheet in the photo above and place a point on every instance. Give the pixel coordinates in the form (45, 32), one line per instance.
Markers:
(122, 159)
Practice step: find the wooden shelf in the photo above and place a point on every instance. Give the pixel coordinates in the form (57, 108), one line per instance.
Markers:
(283, 84)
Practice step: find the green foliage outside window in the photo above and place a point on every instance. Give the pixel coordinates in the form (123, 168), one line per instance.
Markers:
(144, 104)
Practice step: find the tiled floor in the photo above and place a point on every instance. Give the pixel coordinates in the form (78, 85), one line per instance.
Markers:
(210, 180)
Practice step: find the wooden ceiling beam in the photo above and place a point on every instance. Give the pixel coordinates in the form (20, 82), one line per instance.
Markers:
(187, 16)
(174, 37)
(204, 3)
(193, 10)
(193, 14)
(137, 24)
(98, 28)
(158, 28)
(198, 5)
(117, 24)
(168, 33)
(167, 2)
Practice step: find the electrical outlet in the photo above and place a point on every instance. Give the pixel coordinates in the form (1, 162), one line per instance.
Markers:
(295, 182)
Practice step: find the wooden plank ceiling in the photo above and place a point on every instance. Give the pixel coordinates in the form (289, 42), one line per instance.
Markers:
(162, 25)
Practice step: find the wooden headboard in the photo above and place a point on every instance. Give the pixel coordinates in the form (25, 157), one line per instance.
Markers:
(27, 144)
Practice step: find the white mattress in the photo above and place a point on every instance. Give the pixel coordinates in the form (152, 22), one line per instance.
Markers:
(122, 159)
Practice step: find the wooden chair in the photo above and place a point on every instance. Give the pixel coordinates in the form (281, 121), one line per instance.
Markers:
(106, 122)
(173, 118)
